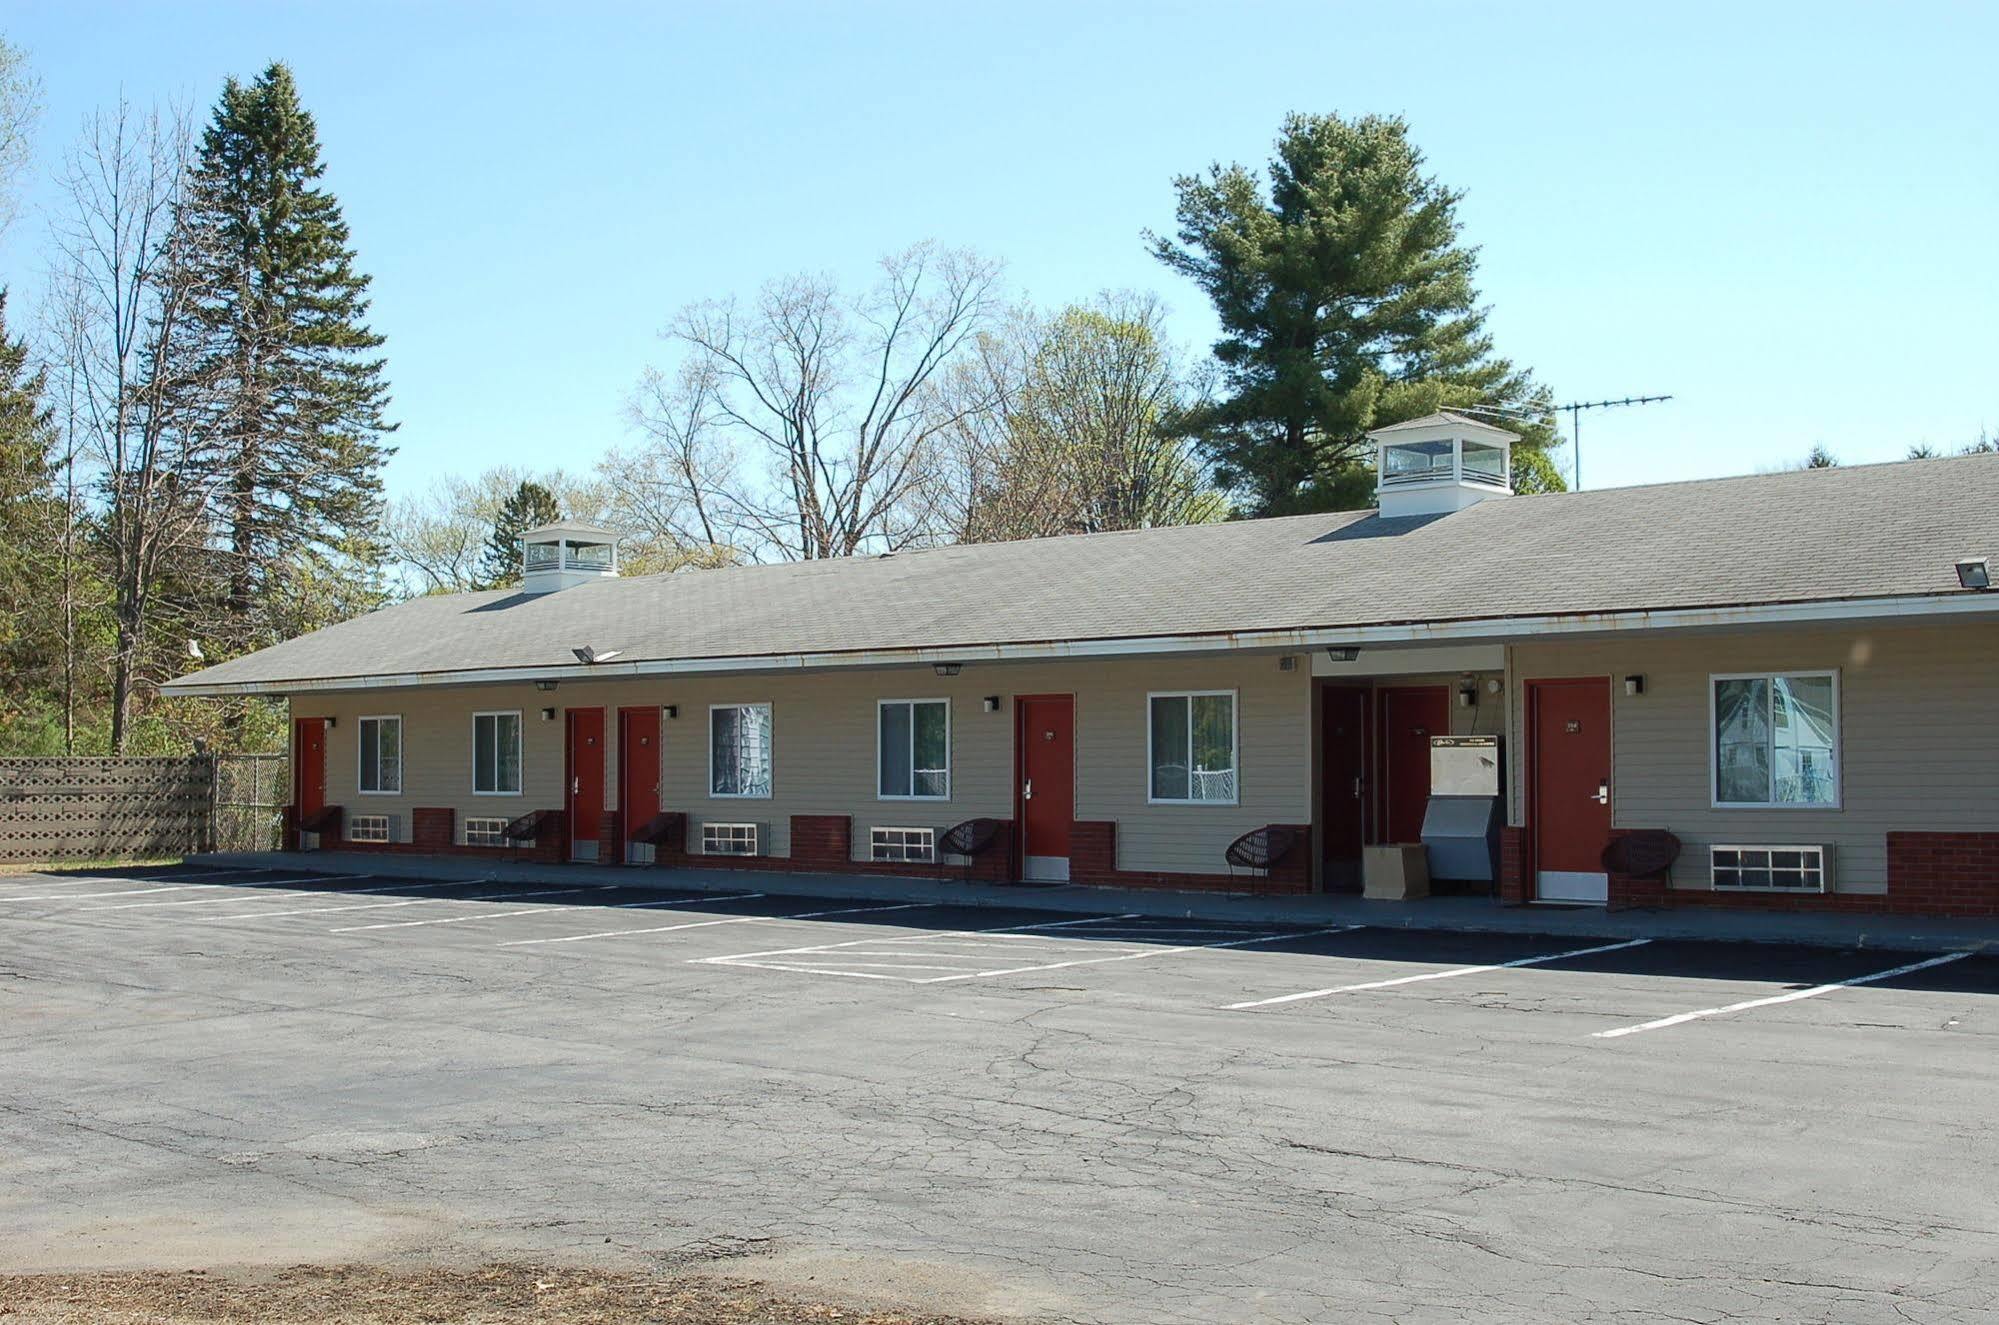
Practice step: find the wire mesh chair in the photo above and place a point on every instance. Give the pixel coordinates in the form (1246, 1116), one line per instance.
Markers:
(1260, 850)
(970, 839)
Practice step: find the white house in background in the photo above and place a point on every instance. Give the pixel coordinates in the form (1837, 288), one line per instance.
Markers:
(1792, 674)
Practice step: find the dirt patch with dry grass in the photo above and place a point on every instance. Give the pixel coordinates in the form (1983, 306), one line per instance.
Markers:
(369, 1295)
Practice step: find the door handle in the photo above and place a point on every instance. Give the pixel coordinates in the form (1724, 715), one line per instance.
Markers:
(1356, 788)
(1027, 794)
(576, 785)
(1602, 796)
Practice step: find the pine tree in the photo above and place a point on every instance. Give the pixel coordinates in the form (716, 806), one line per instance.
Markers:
(287, 363)
(529, 506)
(1346, 303)
(30, 530)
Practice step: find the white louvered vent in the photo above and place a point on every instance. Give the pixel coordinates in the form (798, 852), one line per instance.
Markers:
(729, 839)
(485, 832)
(371, 828)
(903, 844)
(1770, 869)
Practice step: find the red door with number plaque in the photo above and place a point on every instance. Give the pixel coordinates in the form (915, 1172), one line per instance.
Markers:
(308, 766)
(586, 781)
(1410, 716)
(1569, 787)
(1343, 789)
(1047, 794)
(638, 768)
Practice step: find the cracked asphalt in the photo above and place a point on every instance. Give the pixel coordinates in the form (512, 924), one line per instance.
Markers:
(1011, 1114)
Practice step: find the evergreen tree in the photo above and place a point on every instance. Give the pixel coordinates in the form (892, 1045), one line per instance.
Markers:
(529, 506)
(30, 530)
(286, 364)
(1346, 304)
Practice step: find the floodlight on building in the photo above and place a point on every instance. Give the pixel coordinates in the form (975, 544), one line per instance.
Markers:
(1974, 573)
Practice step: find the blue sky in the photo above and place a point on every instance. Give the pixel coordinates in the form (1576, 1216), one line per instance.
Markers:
(1784, 215)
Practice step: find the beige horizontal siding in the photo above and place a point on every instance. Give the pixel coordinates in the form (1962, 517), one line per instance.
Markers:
(1919, 736)
(823, 743)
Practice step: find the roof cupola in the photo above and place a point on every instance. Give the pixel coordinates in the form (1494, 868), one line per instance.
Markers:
(1440, 463)
(565, 554)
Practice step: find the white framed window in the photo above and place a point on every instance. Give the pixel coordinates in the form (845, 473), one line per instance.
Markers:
(381, 756)
(496, 753)
(486, 832)
(729, 839)
(903, 844)
(913, 750)
(1774, 740)
(368, 828)
(739, 754)
(1190, 745)
(1768, 869)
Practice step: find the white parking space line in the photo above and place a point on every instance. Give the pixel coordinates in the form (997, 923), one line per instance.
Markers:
(706, 924)
(539, 910)
(1793, 996)
(1433, 975)
(383, 906)
(124, 892)
(872, 958)
(219, 901)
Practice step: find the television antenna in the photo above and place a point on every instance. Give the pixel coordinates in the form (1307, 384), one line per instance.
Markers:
(1573, 408)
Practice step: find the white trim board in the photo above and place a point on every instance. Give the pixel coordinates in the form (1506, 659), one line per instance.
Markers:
(1471, 630)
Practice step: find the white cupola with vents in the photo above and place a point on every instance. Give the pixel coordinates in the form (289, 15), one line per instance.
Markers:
(1440, 463)
(565, 554)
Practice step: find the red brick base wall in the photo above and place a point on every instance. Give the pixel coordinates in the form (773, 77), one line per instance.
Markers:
(1093, 861)
(1938, 874)
(1516, 866)
(1950, 874)
(433, 832)
(433, 829)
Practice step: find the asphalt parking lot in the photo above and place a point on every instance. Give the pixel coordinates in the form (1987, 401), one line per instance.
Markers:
(1016, 1113)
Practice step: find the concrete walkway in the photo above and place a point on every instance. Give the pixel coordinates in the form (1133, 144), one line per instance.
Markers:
(1462, 914)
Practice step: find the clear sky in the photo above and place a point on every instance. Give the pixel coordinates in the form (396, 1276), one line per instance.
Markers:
(1783, 215)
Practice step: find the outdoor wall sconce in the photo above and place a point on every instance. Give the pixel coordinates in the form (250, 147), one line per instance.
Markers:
(992, 703)
(548, 715)
(1634, 685)
(1974, 573)
(947, 669)
(672, 711)
(1343, 652)
(544, 684)
(332, 721)
(1468, 694)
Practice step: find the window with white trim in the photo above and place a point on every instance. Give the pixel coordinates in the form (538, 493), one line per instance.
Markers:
(739, 755)
(486, 832)
(913, 749)
(1775, 739)
(381, 756)
(1191, 748)
(496, 754)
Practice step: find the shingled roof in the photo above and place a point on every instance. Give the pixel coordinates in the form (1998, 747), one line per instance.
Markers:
(1814, 536)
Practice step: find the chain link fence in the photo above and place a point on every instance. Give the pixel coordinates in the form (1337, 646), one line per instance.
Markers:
(251, 792)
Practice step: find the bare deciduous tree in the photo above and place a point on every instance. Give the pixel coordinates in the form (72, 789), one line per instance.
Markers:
(672, 493)
(839, 396)
(436, 540)
(123, 342)
(1081, 435)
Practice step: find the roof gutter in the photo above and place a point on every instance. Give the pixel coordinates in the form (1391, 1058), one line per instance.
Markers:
(1481, 630)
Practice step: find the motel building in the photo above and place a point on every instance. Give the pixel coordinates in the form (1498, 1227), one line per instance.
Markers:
(1771, 691)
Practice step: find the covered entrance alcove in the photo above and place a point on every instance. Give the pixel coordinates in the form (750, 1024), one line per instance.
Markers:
(1376, 710)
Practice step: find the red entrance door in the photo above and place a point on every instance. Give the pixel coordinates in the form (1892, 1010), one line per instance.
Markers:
(308, 766)
(1410, 716)
(1569, 787)
(1046, 810)
(1342, 784)
(586, 781)
(638, 769)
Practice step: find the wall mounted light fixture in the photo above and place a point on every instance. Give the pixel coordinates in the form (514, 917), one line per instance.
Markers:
(947, 669)
(544, 684)
(672, 711)
(1634, 685)
(992, 703)
(1468, 694)
(548, 715)
(1343, 652)
(1974, 573)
